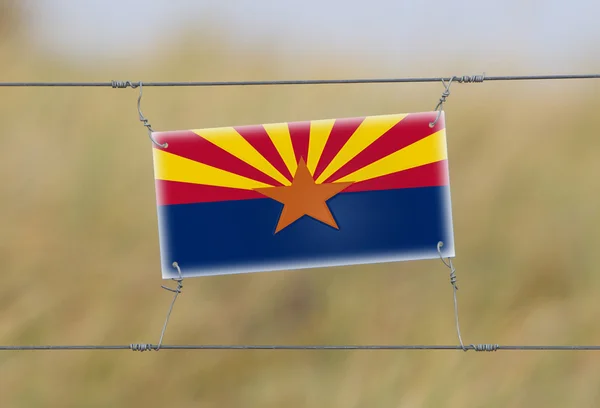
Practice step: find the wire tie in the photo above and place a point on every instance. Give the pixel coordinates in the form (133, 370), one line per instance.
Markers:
(465, 79)
(440, 105)
(485, 347)
(124, 84)
(133, 85)
(177, 291)
(145, 121)
(142, 347)
(455, 289)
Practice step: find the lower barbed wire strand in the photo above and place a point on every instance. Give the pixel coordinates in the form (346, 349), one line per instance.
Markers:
(149, 347)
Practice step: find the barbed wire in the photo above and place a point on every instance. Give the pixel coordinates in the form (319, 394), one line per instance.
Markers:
(459, 79)
(152, 347)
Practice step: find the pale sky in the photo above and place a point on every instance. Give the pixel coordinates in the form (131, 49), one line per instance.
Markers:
(549, 36)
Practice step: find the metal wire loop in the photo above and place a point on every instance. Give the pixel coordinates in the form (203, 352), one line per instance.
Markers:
(179, 280)
(449, 265)
(440, 105)
(465, 79)
(145, 121)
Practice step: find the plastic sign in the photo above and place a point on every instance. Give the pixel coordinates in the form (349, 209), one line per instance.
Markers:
(301, 195)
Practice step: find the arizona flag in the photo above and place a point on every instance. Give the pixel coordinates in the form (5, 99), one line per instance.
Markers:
(304, 194)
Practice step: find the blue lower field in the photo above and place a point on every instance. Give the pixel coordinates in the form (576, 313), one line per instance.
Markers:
(238, 236)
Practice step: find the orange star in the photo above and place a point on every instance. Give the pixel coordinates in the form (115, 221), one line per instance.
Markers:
(304, 197)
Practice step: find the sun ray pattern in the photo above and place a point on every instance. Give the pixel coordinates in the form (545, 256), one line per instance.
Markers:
(374, 152)
(231, 141)
(280, 136)
(369, 130)
(411, 129)
(300, 133)
(343, 129)
(319, 132)
(428, 150)
(176, 168)
(259, 139)
(429, 175)
(187, 144)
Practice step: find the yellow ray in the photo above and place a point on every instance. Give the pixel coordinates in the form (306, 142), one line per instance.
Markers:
(168, 166)
(427, 150)
(228, 139)
(280, 135)
(319, 132)
(372, 128)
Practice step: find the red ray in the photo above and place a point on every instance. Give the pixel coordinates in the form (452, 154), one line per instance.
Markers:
(189, 145)
(175, 192)
(429, 175)
(258, 137)
(300, 132)
(411, 129)
(340, 133)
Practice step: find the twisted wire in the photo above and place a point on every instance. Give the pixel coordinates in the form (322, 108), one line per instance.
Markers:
(466, 79)
(476, 347)
(176, 291)
(141, 347)
(147, 347)
(460, 79)
(139, 108)
(445, 95)
(125, 84)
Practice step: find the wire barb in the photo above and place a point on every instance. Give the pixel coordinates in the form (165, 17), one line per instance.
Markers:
(124, 84)
(466, 79)
(485, 347)
(142, 347)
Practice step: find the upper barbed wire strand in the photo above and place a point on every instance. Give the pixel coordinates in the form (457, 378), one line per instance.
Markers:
(459, 79)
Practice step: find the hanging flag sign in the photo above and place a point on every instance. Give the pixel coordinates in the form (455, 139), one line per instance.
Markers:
(303, 194)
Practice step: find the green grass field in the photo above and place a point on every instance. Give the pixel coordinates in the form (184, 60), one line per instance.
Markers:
(80, 258)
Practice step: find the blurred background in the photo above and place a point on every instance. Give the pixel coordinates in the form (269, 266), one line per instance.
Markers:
(78, 237)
